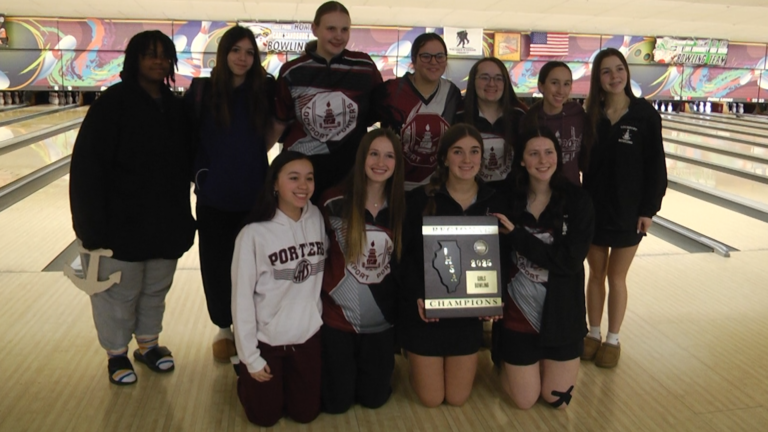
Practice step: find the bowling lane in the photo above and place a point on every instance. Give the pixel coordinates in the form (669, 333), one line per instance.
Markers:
(28, 159)
(720, 129)
(21, 112)
(722, 119)
(730, 227)
(750, 191)
(715, 143)
(36, 229)
(760, 169)
(36, 124)
(744, 117)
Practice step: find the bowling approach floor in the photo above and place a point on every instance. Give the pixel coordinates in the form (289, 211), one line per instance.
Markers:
(691, 354)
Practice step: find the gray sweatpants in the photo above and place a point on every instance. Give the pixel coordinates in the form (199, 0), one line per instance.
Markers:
(135, 305)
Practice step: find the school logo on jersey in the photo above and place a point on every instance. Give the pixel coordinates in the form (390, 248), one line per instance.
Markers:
(373, 265)
(495, 163)
(421, 136)
(626, 137)
(329, 116)
(532, 271)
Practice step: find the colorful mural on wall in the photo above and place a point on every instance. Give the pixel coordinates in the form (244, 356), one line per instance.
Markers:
(45, 54)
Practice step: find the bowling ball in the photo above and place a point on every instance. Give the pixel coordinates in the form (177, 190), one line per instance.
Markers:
(641, 53)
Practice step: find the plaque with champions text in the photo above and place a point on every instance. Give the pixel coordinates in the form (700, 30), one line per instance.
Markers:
(461, 266)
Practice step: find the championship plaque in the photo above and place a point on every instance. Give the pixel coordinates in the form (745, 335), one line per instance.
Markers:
(461, 266)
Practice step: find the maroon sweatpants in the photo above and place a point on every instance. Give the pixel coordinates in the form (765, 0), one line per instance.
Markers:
(294, 389)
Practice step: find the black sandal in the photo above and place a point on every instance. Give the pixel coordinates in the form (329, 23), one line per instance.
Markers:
(120, 363)
(154, 358)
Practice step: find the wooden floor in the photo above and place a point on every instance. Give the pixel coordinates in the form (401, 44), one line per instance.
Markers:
(694, 356)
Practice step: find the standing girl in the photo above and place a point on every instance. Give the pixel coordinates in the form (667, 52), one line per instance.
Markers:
(492, 107)
(365, 216)
(551, 227)
(627, 180)
(564, 117)
(420, 106)
(276, 281)
(234, 112)
(324, 95)
(129, 193)
(442, 354)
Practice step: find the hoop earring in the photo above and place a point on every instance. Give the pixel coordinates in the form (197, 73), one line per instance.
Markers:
(274, 193)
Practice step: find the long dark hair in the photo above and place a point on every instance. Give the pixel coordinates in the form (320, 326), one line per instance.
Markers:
(266, 203)
(440, 177)
(508, 102)
(596, 98)
(139, 44)
(255, 81)
(531, 121)
(357, 194)
(521, 178)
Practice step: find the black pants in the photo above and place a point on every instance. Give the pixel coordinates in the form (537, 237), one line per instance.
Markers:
(356, 368)
(217, 231)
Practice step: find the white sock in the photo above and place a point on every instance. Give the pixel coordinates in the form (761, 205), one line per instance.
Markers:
(594, 332)
(612, 338)
(224, 333)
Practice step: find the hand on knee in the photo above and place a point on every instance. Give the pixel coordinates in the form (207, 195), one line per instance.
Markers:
(558, 399)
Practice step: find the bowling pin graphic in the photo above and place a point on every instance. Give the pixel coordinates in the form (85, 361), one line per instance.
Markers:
(624, 49)
(69, 98)
(741, 108)
(656, 105)
(52, 57)
(670, 108)
(199, 43)
(708, 107)
(663, 108)
(16, 100)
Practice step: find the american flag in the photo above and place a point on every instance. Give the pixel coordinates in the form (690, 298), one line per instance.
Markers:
(549, 44)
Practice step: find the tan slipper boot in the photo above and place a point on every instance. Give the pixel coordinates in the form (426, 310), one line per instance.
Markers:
(223, 349)
(591, 345)
(608, 355)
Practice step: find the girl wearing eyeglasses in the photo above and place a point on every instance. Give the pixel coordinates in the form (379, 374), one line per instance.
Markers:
(420, 106)
(564, 117)
(492, 107)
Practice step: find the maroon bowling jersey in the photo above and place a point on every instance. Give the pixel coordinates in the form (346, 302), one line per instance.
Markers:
(329, 101)
(419, 121)
(358, 296)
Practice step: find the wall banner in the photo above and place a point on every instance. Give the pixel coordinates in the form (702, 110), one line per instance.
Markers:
(464, 42)
(506, 46)
(281, 37)
(691, 51)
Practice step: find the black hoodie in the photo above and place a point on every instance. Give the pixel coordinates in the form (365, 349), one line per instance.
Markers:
(627, 176)
(130, 176)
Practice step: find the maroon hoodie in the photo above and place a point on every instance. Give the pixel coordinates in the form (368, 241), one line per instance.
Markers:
(568, 126)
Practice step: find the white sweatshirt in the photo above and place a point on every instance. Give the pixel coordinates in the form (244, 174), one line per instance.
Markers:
(277, 274)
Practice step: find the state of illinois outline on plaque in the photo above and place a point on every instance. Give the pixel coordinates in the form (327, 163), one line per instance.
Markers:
(461, 266)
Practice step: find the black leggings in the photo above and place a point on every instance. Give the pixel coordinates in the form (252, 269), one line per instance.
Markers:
(356, 368)
(217, 231)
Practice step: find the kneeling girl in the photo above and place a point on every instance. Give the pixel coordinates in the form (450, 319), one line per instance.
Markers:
(551, 227)
(277, 274)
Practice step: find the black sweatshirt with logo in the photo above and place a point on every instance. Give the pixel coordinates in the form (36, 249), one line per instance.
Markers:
(627, 176)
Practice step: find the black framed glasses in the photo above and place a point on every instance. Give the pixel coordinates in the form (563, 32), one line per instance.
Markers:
(427, 57)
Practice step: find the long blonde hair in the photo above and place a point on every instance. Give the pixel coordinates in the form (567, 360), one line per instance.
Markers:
(353, 214)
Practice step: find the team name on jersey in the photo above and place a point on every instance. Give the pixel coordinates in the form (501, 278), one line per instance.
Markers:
(293, 253)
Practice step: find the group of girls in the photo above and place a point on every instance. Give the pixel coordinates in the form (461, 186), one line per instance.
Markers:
(318, 296)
